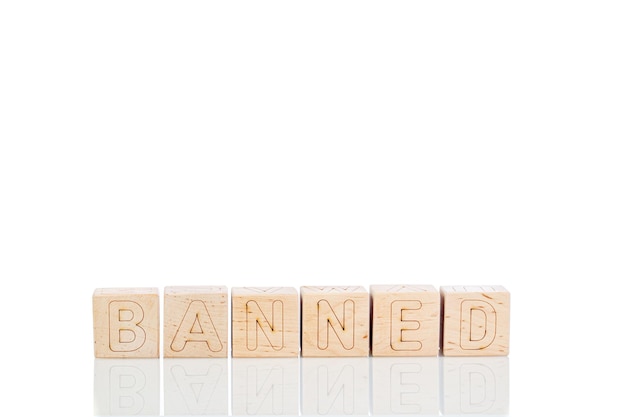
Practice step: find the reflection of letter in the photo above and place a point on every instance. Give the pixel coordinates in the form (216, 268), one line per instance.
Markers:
(125, 333)
(408, 385)
(127, 386)
(195, 386)
(404, 385)
(475, 385)
(337, 392)
(265, 386)
(196, 326)
(481, 393)
(257, 321)
(478, 324)
(343, 328)
(405, 325)
(335, 386)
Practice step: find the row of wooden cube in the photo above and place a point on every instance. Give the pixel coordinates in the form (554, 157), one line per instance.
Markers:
(402, 320)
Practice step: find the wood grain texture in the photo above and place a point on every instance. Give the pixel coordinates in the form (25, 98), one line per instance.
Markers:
(195, 322)
(335, 321)
(265, 322)
(126, 322)
(405, 320)
(475, 320)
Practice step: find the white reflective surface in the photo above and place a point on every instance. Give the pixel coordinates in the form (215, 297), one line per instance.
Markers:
(303, 386)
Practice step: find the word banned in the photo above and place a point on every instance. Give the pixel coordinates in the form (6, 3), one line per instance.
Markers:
(389, 320)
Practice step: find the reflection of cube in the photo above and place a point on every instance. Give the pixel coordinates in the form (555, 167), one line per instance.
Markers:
(335, 386)
(195, 386)
(126, 387)
(475, 385)
(195, 322)
(335, 321)
(126, 322)
(265, 322)
(475, 320)
(405, 320)
(265, 387)
(405, 385)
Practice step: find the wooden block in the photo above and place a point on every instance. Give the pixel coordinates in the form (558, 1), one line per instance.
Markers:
(405, 320)
(335, 321)
(126, 322)
(265, 322)
(195, 322)
(475, 320)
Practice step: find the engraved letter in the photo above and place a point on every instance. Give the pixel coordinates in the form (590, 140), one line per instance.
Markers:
(125, 333)
(405, 325)
(257, 322)
(196, 326)
(478, 324)
(343, 328)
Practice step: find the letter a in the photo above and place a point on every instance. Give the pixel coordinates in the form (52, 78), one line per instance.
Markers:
(196, 326)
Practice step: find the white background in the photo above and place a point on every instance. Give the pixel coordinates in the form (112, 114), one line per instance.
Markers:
(297, 143)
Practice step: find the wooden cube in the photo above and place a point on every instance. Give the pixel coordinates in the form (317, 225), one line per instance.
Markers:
(265, 322)
(405, 320)
(475, 320)
(335, 321)
(195, 322)
(126, 322)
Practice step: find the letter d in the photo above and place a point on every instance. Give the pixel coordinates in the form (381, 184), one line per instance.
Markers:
(478, 324)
